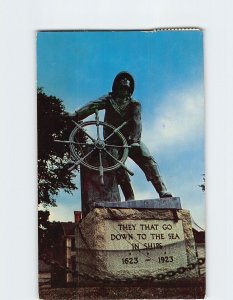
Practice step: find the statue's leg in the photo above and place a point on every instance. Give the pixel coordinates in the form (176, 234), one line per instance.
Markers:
(156, 179)
(146, 162)
(123, 180)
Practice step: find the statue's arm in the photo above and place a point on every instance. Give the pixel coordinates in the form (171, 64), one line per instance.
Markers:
(90, 108)
(136, 123)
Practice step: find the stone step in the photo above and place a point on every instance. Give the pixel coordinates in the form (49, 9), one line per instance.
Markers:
(159, 203)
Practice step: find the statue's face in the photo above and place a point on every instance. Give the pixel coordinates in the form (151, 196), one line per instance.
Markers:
(125, 82)
(123, 89)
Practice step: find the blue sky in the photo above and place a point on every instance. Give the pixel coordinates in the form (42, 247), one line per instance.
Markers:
(168, 70)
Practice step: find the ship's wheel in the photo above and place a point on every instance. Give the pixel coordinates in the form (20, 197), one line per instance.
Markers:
(97, 152)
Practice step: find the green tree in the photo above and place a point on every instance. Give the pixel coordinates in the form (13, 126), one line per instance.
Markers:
(53, 123)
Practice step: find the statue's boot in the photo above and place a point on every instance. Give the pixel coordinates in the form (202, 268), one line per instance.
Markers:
(142, 157)
(152, 173)
(160, 187)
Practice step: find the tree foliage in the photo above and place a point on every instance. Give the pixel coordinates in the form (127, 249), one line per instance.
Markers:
(49, 236)
(53, 123)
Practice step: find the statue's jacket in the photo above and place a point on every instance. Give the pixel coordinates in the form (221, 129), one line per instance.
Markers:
(116, 114)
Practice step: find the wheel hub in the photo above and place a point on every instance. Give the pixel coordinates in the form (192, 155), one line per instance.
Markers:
(100, 144)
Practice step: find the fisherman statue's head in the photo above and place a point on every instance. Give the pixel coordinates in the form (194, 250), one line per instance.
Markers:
(123, 85)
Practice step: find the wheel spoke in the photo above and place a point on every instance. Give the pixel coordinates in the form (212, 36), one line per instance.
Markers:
(66, 142)
(69, 162)
(119, 162)
(101, 169)
(81, 128)
(115, 130)
(80, 160)
(117, 146)
(73, 142)
(97, 124)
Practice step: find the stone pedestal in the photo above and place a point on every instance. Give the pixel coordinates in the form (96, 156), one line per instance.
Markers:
(136, 243)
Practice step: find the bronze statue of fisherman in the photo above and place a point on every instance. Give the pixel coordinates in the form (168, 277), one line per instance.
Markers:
(119, 107)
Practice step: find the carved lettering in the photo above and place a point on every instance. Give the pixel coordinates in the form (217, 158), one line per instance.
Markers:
(149, 226)
(127, 226)
(121, 236)
(139, 244)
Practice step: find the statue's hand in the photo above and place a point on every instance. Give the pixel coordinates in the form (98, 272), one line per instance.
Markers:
(72, 115)
(135, 145)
